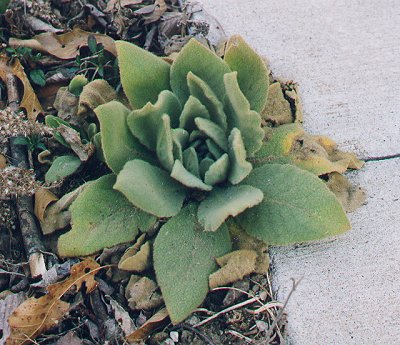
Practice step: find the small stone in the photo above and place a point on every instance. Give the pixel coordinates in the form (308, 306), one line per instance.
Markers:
(174, 336)
(168, 341)
(193, 320)
(261, 325)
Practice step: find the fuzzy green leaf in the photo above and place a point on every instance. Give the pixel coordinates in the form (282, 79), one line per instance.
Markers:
(165, 149)
(218, 171)
(150, 188)
(240, 115)
(213, 131)
(62, 167)
(185, 177)
(144, 123)
(112, 117)
(199, 89)
(240, 168)
(191, 161)
(204, 165)
(184, 257)
(102, 217)
(214, 149)
(253, 75)
(224, 202)
(192, 109)
(143, 75)
(297, 207)
(196, 58)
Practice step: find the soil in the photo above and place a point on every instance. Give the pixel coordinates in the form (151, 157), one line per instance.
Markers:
(92, 320)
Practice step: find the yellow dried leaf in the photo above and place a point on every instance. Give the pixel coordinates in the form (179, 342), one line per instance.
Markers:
(37, 315)
(3, 162)
(29, 100)
(141, 293)
(234, 266)
(136, 262)
(277, 109)
(43, 199)
(95, 93)
(351, 197)
(65, 46)
(158, 320)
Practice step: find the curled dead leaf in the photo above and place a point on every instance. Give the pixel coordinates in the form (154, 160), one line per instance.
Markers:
(95, 93)
(234, 266)
(277, 109)
(37, 315)
(29, 100)
(136, 258)
(43, 198)
(141, 293)
(158, 320)
(66, 104)
(56, 215)
(65, 46)
(352, 197)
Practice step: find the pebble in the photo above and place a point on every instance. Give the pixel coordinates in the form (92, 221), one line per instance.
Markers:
(174, 336)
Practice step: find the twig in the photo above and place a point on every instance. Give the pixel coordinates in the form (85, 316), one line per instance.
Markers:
(279, 316)
(202, 336)
(236, 306)
(24, 204)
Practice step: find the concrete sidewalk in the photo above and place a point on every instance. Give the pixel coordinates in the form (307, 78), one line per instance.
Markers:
(345, 55)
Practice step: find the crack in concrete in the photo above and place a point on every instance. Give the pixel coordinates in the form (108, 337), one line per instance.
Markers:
(381, 158)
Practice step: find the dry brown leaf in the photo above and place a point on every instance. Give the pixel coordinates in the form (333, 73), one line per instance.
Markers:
(73, 138)
(65, 46)
(120, 3)
(43, 199)
(141, 293)
(96, 93)
(137, 257)
(3, 161)
(57, 215)
(66, 104)
(234, 266)
(37, 315)
(277, 109)
(351, 197)
(153, 12)
(158, 320)
(29, 100)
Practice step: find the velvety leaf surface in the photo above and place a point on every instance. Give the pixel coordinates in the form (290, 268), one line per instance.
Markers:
(144, 123)
(253, 75)
(150, 188)
(191, 161)
(240, 168)
(224, 202)
(199, 89)
(98, 210)
(201, 61)
(112, 117)
(213, 131)
(241, 117)
(143, 74)
(218, 171)
(62, 167)
(184, 257)
(181, 174)
(297, 207)
(192, 109)
(165, 147)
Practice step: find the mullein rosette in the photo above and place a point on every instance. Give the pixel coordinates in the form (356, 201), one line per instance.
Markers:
(185, 150)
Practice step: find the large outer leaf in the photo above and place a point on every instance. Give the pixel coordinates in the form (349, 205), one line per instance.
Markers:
(144, 123)
(224, 202)
(184, 258)
(118, 144)
(150, 188)
(143, 75)
(297, 207)
(102, 217)
(196, 58)
(241, 117)
(252, 73)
